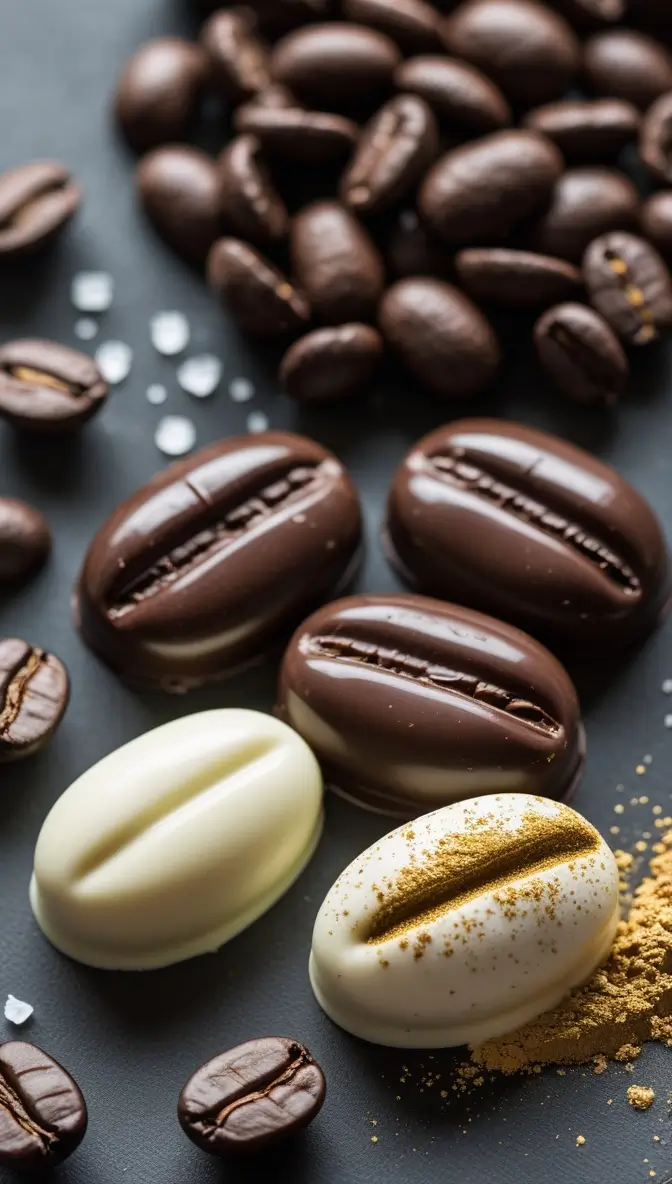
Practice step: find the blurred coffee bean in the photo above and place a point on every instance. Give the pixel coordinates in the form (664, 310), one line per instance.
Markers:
(440, 336)
(655, 141)
(628, 65)
(587, 131)
(413, 24)
(585, 203)
(394, 152)
(275, 17)
(159, 90)
(525, 47)
(179, 190)
(34, 695)
(589, 13)
(332, 363)
(657, 221)
(25, 540)
(291, 133)
(249, 203)
(239, 61)
(336, 65)
(481, 191)
(336, 263)
(411, 249)
(581, 354)
(36, 201)
(460, 96)
(256, 295)
(48, 388)
(516, 279)
(631, 287)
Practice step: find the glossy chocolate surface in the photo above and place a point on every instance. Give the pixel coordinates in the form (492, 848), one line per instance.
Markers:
(206, 566)
(520, 523)
(410, 704)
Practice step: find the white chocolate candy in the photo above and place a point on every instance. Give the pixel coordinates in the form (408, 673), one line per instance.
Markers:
(174, 843)
(460, 926)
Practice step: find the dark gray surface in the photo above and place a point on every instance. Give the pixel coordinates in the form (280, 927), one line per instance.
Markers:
(131, 1040)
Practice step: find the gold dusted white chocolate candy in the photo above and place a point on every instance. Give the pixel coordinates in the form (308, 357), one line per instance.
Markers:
(462, 925)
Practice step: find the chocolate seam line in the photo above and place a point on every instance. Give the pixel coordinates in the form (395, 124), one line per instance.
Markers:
(19, 678)
(197, 547)
(31, 376)
(591, 363)
(302, 1060)
(461, 868)
(455, 467)
(432, 674)
(633, 295)
(11, 1101)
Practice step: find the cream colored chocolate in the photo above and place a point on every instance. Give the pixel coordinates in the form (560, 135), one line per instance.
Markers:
(171, 845)
(464, 924)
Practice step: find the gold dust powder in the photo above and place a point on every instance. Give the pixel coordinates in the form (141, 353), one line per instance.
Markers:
(627, 1002)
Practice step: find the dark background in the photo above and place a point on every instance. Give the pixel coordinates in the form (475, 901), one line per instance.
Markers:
(131, 1040)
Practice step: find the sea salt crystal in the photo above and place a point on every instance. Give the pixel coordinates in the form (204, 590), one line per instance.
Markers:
(257, 421)
(667, 686)
(16, 1011)
(175, 435)
(668, 721)
(86, 328)
(169, 332)
(114, 360)
(156, 393)
(92, 291)
(200, 376)
(241, 390)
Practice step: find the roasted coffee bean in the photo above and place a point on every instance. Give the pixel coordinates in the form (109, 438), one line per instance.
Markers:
(441, 337)
(249, 203)
(519, 523)
(528, 49)
(588, 13)
(36, 201)
(336, 65)
(43, 1115)
(34, 694)
(290, 133)
(413, 24)
(628, 65)
(25, 540)
(587, 131)
(394, 152)
(178, 187)
(412, 250)
(657, 221)
(581, 354)
(239, 61)
(251, 1097)
(332, 363)
(214, 560)
(481, 191)
(258, 296)
(585, 203)
(516, 279)
(630, 286)
(462, 98)
(655, 141)
(336, 263)
(47, 387)
(159, 90)
(485, 708)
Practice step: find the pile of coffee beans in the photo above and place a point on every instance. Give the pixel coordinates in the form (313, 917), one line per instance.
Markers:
(398, 171)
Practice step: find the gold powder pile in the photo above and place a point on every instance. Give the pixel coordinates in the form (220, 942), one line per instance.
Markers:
(641, 1096)
(627, 1002)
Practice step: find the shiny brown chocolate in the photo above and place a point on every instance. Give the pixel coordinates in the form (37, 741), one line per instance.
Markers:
(410, 704)
(521, 524)
(47, 387)
(216, 558)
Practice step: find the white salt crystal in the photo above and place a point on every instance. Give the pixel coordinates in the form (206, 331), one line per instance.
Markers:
(199, 376)
(92, 291)
(241, 390)
(668, 721)
(175, 435)
(667, 686)
(156, 393)
(169, 332)
(257, 421)
(114, 360)
(16, 1011)
(86, 328)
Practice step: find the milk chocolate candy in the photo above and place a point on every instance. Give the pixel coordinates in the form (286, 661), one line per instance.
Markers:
(216, 558)
(518, 523)
(409, 704)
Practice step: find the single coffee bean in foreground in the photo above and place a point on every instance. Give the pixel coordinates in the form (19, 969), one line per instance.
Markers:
(47, 387)
(587, 131)
(630, 285)
(528, 49)
(159, 90)
(625, 64)
(239, 62)
(249, 203)
(516, 279)
(585, 203)
(461, 97)
(479, 192)
(291, 133)
(412, 946)
(43, 1116)
(520, 524)
(581, 354)
(657, 222)
(484, 707)
(336, 65)
(331, 363)
(336, 263)
(443, 339)
(37, 200)
(413, 24)
(34, 695)
(260, 298)
(217, 558)
(174, 843)
(25, 540)
(394, 152)
(178, 187)
(252, 1097)
(655, 141)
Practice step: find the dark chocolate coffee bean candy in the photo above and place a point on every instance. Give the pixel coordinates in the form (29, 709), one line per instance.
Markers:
(239, 61)
(581, 354)
(519, 523)
(630, 285)
(516, 279)
(37, 200)
(336, 263)
(462, 98)
(304, 137)
(25, 540)
(331, 363)
(657, 222)
(628, 65)
(258, 296)
(34, 695)
(336, 65)
(47, 387)
(394, 152)
(410, 704)
(250, 205)
(159, 90)
(43, 1114)
(587, 131)
(655, 141)
(585, 203)
(413, 24)
(178, 187)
